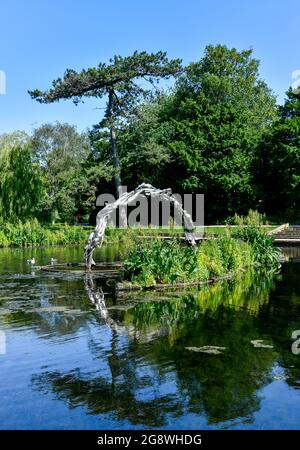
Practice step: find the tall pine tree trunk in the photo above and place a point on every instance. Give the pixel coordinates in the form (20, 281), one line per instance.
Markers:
(114, 148)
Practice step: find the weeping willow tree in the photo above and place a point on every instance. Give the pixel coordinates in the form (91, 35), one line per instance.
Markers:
(20, 183)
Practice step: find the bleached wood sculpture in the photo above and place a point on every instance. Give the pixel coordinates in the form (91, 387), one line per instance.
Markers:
(96, 237)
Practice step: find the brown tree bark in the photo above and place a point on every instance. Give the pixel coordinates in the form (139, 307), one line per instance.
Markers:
(113, 141)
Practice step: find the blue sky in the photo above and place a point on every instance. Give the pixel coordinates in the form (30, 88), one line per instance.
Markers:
(39, 39)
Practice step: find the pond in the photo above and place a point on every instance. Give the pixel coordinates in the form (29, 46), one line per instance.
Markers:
(76, 356)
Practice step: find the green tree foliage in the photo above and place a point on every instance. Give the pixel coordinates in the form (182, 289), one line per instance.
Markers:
(206, 133)
(20, 183)
(60, 151)
(279, 171)
(123, 81)
(13, 139)
(217, 131)
(145, 144)
(59, 142)
(71, 174)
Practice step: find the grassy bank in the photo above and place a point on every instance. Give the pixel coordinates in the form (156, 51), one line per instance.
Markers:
(157, 261)
(114, 235)
(33, 234)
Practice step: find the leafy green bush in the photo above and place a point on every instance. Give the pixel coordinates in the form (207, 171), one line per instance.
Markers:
(253, 218)
(3, 240)
(224, 255)
(210, 258)
(160, 261)
(33, 234)
(264, 252)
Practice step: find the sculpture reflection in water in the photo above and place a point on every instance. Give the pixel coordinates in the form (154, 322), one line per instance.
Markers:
(97, 298)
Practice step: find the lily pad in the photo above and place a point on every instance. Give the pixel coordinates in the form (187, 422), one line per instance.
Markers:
(210, 349)
(259, 343)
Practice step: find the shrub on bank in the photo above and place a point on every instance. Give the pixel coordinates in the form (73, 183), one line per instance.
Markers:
(224, 255)
(33, 234)
(264, 252)
(3, 240)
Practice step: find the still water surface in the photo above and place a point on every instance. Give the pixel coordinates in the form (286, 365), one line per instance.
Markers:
(78, 357)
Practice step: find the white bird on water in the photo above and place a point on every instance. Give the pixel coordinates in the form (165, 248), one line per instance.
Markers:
(53, 261)
(31, 261)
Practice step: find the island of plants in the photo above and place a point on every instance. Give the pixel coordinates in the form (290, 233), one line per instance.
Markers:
(157, 262)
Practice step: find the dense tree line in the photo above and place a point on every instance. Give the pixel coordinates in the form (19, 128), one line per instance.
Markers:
(217, 131)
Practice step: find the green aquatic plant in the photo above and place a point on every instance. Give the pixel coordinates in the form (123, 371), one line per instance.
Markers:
(264, 252)
(159, 261)
(222, 256)
(169, 261)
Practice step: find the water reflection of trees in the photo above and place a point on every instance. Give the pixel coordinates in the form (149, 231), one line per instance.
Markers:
(101, 396)
(281, 316)
(223, 387)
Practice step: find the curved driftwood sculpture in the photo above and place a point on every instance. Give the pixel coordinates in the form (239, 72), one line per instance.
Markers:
(96, 237)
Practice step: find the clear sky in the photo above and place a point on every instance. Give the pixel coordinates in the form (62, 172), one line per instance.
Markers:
(39, 39)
